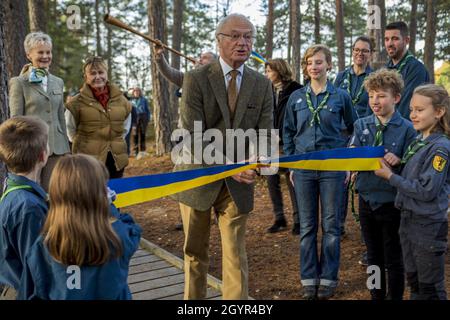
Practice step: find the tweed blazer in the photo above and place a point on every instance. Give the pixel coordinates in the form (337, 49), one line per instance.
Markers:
(30, 99)
(205, 99)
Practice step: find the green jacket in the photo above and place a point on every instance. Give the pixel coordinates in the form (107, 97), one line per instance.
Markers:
(30, 99)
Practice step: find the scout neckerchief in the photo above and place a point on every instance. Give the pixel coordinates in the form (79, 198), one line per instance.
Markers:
(378, 141)
(360, 91)
(405, 59)
(315, 112)
(413, 148)
(14, 186)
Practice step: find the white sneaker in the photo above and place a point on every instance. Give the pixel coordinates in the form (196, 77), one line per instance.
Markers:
(142, 154)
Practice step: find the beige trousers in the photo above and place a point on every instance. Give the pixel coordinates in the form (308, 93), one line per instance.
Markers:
(196, 226)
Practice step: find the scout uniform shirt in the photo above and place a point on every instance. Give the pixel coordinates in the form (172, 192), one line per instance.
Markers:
(47, 279)
(414, 74)
(397, 135)
(305, 131)
(424, 184)
(354, 85)
(22, 216)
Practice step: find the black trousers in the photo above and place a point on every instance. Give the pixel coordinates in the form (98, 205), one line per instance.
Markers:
(111, 166)
(141, 128)
(274, 184)
(380, 229)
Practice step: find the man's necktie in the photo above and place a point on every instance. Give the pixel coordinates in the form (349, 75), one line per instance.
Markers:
(232, 91)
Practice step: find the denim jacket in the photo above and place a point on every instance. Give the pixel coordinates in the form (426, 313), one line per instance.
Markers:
(300, 137)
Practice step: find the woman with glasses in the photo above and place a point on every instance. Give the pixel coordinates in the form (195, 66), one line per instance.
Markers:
(36, 92)
(352, 78)
(101, 118)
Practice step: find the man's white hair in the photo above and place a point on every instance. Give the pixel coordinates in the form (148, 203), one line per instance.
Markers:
(224, 20)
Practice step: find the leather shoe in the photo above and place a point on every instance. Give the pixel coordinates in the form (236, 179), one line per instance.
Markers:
(309, 292)
(325, 292)
(296, 229)
(278, 226)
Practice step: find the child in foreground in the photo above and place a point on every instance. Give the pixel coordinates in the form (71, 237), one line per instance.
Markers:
(23, 205)
(422, 197)
(380, 219)
(84, 250)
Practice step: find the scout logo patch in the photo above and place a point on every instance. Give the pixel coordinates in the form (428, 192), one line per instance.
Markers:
(439, 163)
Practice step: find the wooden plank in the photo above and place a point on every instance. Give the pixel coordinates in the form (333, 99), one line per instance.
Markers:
(211, 294)
(160, 292)
(148, 266)
(153, 274)
(141, 253)
(157, 283)
(144, 259)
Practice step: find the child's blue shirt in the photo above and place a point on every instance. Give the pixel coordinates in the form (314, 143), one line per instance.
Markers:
(397, 136)
(22, 216)
(424, 184)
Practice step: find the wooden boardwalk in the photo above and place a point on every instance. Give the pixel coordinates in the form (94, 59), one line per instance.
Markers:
(156, 274)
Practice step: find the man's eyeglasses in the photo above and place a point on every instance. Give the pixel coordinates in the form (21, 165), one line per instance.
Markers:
(357, 51)
(248, 37)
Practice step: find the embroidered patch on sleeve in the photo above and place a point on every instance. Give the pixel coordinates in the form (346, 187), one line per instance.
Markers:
(439, 163)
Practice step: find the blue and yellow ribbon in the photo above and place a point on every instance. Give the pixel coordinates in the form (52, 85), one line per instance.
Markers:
(258, 57)
(141, 189)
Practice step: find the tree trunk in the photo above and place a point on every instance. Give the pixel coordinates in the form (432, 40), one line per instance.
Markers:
(340, 34)
(316, 21)
(430, 37)
(37, 10)
(375, 30)
(413, 27)
(3, 86)
(161, 110)
(178, 8)
(15, 32)
(269, 28)
(295, 32)
(97, 29)
(109, 43)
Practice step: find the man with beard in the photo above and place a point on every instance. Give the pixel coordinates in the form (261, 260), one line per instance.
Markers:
(413, 72)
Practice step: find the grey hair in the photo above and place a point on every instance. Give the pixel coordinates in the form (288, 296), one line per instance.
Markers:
(215, 56)
(34, 38)
(224, 20)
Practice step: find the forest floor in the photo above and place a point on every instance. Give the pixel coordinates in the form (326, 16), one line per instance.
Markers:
(273, 259)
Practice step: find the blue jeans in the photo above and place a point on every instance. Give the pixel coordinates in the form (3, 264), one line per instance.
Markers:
(329, 185)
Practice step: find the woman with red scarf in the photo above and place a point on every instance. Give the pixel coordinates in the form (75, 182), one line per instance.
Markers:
(99, 115)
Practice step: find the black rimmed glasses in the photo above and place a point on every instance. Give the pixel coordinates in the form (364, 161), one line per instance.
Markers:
(358, 51)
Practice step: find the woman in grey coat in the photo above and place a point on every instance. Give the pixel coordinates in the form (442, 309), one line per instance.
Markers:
(36, 92)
